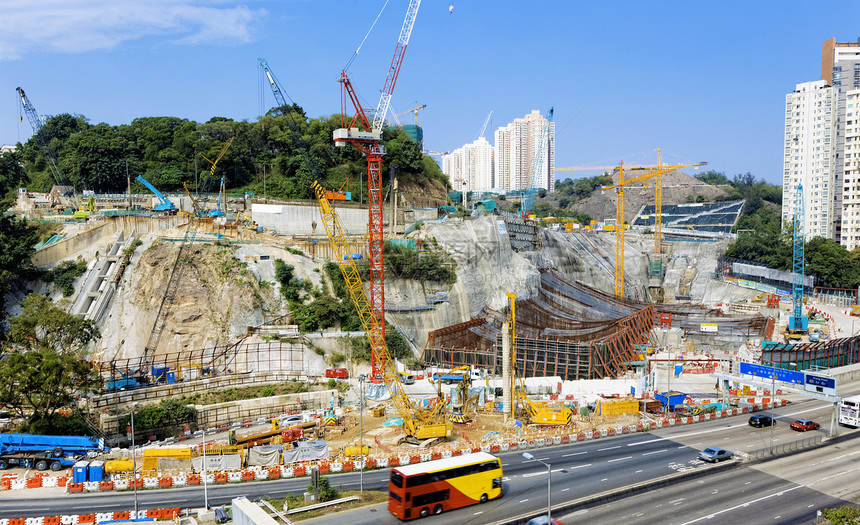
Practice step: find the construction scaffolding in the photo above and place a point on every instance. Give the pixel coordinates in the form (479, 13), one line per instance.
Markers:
(237, 358)
(577, 332)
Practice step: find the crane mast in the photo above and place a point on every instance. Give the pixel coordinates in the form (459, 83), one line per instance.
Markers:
(798, 322)
(653, 172)
(36, 123)
(366, 136)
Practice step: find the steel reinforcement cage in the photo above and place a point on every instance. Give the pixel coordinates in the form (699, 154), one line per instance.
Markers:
(237, 358)
(608, 357)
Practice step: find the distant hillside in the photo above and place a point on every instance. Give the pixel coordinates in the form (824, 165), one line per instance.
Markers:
(572, 197)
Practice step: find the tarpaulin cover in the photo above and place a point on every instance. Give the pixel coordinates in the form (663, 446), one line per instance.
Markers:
(167, 464)
(376, 392)
(305, 451)
(393, 422)
(264, 455)
(225, 462)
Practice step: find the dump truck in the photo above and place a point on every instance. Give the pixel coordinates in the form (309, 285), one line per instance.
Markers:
(43, 452)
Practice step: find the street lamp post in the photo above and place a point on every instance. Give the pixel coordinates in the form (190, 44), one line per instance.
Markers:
(133, 459)
(205, 485)
(361, 431)
(531, 457)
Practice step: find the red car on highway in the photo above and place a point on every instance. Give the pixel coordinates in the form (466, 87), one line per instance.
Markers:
(802, 425)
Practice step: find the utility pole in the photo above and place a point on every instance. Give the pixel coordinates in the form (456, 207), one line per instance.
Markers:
(128, 178)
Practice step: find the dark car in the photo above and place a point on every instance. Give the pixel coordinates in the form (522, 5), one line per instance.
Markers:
(761, 421)
(715, 454)
(803, 425)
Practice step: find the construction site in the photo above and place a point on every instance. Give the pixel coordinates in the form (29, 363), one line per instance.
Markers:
(546, 333)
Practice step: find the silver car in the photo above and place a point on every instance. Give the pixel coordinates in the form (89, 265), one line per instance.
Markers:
(715, 454)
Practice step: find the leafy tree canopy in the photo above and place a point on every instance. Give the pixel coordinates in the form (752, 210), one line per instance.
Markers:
(43, 326)
(38, 383)
(168, 151)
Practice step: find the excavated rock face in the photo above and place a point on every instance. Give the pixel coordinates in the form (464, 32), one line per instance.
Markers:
(217, 298)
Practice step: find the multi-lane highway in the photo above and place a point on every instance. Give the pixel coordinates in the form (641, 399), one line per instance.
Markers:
(579, 470)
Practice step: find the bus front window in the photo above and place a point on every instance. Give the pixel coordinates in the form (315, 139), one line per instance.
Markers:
(396, 479)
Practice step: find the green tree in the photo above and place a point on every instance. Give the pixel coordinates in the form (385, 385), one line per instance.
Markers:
(844, 515)
(43, 326)
(17, 239)
(37, 383)
(12, 176)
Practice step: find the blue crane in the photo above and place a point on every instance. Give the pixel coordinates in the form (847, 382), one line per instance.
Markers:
(528, 197)
(36, 123)
(166, 204)
(798, 322)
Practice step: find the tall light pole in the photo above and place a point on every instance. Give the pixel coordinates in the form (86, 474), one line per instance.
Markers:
(531, 457)
(361, 432)
(205, 485)
(133, 460)
(773, 404)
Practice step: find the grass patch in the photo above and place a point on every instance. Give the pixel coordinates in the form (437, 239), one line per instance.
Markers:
(368, 497)
(245, 392)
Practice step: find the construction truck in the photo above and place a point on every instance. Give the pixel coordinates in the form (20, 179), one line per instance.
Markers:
(456, 375)
(43, 452)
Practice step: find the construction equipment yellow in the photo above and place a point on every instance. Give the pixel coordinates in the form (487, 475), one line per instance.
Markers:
(420, 423)
(651, 172)
(538, 413)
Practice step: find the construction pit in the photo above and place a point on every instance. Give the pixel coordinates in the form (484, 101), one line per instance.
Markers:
(576, 342)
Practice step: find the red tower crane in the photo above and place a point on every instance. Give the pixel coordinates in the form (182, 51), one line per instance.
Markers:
(366, 137)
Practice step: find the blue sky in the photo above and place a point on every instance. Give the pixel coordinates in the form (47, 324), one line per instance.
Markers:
(700, 80)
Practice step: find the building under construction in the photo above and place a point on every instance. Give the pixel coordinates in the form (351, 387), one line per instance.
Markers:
(575, 332)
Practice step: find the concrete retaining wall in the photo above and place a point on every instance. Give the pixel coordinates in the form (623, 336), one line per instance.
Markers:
(129, 224)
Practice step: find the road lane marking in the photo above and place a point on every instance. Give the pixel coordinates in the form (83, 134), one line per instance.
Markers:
(523, 500)
(573, 454)
(655, 452)
(478, 513)
(742, 505)
(638, 471)
(620, 459)
(579, 466)
(610, 448)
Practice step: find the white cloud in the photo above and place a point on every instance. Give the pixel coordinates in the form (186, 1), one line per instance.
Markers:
(77, 26)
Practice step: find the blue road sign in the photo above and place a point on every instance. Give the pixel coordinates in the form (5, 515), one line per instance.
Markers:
(774, 374)
(824, 382)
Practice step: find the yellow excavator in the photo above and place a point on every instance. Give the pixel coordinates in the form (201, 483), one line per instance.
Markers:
(537, 413)
(419, 423)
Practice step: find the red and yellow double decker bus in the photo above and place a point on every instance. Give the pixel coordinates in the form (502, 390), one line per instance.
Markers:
(436, 486)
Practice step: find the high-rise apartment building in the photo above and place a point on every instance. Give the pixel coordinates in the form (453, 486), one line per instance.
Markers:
(470, 168)
(850, 234)
(821, 147)
(509, 165)
(522, 138)
(809, 156)
(840, 68)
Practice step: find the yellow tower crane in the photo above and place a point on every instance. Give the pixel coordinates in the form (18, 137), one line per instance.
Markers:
(651, 172)
(418, 423)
